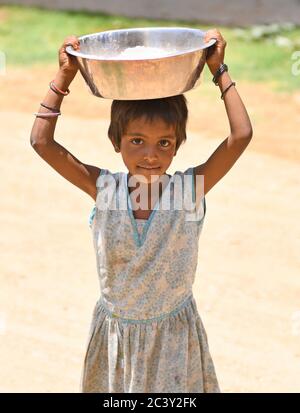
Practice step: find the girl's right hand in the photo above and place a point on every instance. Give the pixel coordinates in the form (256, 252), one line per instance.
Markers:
(68, 63)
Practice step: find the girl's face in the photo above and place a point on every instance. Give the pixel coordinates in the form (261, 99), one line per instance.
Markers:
(147, 148)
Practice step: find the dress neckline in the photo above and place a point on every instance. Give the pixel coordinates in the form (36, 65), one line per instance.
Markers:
(139, 240)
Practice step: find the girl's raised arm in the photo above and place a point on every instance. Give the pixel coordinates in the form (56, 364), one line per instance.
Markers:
(42, 133)
(225, 156)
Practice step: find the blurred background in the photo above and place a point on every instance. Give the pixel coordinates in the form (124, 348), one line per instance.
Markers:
(247, 284)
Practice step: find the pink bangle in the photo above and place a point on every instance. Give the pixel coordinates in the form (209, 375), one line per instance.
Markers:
(47, 115)
(57, 89)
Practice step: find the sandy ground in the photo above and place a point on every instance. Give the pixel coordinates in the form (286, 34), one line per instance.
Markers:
(247, 285)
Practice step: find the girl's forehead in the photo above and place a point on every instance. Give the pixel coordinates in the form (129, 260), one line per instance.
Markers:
(143, 124)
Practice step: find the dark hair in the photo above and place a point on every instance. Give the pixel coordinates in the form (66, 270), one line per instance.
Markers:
(173, 110)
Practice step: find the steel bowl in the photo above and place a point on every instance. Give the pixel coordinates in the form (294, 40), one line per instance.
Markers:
(173, 67)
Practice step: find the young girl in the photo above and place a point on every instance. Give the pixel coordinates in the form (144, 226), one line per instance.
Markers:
(146, 334)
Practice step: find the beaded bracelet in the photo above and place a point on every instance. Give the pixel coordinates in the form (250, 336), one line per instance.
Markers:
(228, 87)
(57, 90)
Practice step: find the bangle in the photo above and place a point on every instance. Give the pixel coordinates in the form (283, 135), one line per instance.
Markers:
(54, 90)
(48, 107)
(223, 68)
(57, 90)
(228, 87)
(46, 115)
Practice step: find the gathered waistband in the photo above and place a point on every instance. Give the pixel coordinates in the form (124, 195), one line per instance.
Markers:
(102, 306)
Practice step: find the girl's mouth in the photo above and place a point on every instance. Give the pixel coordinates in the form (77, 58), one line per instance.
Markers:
(148, 167)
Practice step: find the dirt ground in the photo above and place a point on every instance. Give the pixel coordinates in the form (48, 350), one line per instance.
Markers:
(247, 284)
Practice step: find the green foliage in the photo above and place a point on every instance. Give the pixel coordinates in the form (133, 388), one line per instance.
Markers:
(31, 35)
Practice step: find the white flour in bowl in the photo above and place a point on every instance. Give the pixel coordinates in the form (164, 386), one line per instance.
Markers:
(142, 52)
(134, 53)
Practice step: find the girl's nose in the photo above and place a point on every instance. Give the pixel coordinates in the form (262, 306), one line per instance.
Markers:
(150, 154)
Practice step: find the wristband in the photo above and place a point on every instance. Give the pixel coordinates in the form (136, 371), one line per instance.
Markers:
(223, 68)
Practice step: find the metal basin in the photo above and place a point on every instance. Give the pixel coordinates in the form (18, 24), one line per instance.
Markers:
(161, 62)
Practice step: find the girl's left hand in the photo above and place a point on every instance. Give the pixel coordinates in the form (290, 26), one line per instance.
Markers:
(216, 52)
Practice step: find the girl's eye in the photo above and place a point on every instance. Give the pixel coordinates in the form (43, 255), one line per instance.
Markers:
(136, 139)
(165, 143)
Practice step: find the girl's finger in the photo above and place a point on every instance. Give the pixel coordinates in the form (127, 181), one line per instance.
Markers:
(207, 39)
(75, 45)
(71, 44)
(70, 41)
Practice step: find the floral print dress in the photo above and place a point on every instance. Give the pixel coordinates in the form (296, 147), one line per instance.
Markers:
(146, 335)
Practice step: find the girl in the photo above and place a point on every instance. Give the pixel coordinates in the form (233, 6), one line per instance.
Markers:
(146, 334)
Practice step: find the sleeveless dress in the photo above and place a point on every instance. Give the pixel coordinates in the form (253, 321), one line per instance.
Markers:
(146, 335)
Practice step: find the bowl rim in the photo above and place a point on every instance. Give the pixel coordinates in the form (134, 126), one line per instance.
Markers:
(71, 51)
